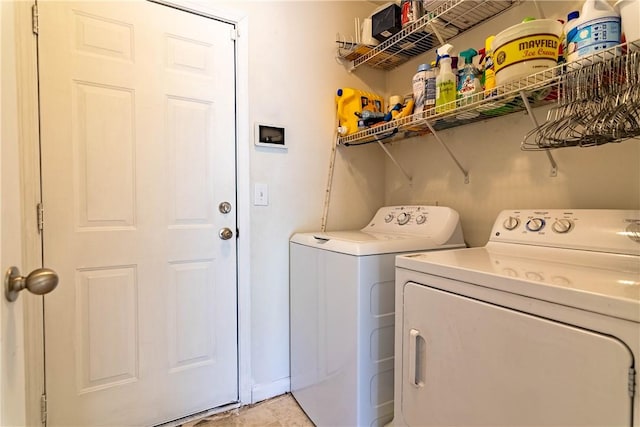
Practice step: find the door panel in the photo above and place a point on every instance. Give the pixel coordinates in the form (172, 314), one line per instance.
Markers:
(138, 150)
(470, 363)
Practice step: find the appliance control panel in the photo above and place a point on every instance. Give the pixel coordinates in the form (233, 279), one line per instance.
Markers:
(418, 220)
(615, 231)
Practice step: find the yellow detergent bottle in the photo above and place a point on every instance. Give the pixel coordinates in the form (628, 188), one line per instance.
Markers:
(489, 72)
(350, 104)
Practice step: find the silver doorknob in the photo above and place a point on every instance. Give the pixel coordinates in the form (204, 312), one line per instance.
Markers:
(224, 207)
(40, 281)
(225, 233)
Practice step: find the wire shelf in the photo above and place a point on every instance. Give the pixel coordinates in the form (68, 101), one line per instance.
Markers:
(542, 88)
(445, 21)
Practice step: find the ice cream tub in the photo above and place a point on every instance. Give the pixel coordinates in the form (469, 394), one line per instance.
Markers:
(525, 49)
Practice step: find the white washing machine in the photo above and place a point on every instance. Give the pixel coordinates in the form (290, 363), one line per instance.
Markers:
(540, 327)
(342, 311)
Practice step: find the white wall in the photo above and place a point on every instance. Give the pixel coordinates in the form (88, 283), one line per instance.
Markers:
(12, 380)
(503, 176)
(293, 76)
(292, 82)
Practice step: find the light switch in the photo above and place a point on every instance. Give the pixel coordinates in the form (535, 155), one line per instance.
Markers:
(261, 195)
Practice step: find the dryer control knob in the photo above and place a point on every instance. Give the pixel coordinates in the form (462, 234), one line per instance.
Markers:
(535, 224)
(404, 218)
(562, 225)
(421, 219)
(511, 223)
(633, 231)
(388, 218)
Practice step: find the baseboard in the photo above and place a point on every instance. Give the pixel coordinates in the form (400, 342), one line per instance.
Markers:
(261, 392)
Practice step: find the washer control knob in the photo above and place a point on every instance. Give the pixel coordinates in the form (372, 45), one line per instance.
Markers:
(421, 219)
(562, 225)
(535, 224)
(404, 218)
(511, 223)
(388, 218)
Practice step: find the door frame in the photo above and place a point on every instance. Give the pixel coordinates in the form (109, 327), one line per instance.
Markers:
(28, 116)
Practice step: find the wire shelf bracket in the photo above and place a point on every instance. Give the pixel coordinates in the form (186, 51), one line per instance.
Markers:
(554, 166)
(453, 157)
(395, 162)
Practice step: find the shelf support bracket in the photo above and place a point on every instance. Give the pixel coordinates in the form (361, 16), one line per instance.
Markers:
(554, 165)
(395, 162)
(437, 137)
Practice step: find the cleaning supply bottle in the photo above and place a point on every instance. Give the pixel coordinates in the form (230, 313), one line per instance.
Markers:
(419, 83)
(482, 54)
(597, 28)
(488, 70)
(561, 45)
(445, 81)
(430, 89)
(572, 22)
(455, 70)
(435, 66)
(469, 83)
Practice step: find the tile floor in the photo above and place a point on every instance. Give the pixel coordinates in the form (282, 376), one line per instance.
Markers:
(279, 411)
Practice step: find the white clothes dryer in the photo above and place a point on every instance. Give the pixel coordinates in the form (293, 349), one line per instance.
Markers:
(342, 311)
(540, 327)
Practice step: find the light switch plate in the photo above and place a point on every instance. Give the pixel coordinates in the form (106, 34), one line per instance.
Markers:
(261, 194)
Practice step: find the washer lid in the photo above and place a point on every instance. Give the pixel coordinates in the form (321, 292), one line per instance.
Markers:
(600, 282)
(367, 243)
(394, 229)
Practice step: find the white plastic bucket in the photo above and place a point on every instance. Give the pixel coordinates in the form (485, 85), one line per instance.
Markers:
(526, 48)
(629, 11)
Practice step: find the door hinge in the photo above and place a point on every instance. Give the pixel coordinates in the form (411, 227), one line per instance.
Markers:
(234, 34)
(34, 19)
(43, 409)
(40, 217)
(632, 382)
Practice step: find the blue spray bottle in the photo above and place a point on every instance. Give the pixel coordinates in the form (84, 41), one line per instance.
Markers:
(470, 78)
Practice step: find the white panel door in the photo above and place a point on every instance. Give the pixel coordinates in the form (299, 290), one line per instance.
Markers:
(138, 150)
(469, 363)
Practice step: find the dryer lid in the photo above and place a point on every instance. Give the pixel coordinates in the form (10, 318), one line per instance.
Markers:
(599, 282)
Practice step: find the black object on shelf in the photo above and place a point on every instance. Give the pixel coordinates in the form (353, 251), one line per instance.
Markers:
(386, 22)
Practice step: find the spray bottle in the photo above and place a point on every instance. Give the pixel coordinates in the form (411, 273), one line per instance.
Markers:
(469, 79)
(445, 81)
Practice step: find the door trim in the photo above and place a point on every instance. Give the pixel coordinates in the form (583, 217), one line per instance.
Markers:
(28, 109)
(29, 142)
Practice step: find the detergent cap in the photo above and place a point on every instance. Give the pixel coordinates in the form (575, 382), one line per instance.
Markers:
(573, 15)
(488, 43)
(468, 55)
